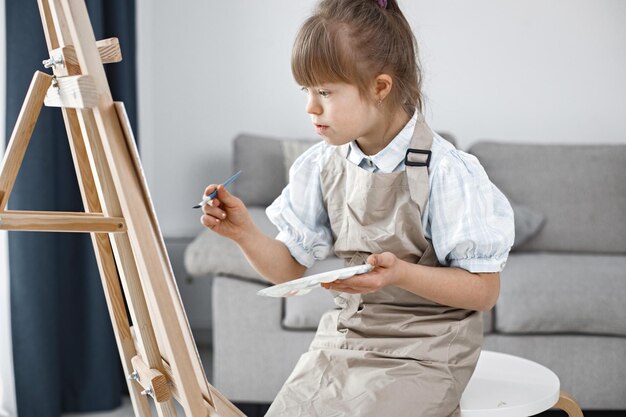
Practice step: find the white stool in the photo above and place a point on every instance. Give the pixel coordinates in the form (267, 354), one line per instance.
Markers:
(508, 386)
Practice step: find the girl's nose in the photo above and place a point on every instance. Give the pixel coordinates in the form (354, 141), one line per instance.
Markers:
(313, 107)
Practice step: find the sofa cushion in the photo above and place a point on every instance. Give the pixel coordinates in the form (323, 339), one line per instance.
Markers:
(528, 222)
(265, 158)
(292, 149)
(562, 293)
(580, 189)
(210, 253)
(488, 321)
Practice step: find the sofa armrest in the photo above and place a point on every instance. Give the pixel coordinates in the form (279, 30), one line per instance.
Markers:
(252, 353)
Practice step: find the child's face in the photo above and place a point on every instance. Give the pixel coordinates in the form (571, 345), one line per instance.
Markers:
(339, 113)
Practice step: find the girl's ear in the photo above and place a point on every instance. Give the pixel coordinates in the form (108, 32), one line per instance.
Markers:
(382, 86)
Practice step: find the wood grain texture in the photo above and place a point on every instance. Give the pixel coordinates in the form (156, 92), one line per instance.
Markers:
(106, 261)
(74, 91)
(122, 249)
(22, 132)
(568, 404)
(151, 378)
(42, 221)
(48, 25)
(109, 50)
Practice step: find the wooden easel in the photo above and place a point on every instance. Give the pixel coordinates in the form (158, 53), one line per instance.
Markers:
(158, 352)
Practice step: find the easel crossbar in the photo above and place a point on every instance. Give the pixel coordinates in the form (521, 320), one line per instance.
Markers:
(43, 221)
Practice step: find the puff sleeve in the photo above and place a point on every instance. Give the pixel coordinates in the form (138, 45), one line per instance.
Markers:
(470, 221)
(299, 212)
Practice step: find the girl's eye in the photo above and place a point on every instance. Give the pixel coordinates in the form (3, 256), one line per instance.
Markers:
(322, 93)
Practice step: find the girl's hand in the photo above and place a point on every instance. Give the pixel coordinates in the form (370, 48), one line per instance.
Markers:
(226, 215)
(387, 271)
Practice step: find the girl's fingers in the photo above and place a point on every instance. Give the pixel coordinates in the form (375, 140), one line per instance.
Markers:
(209, 189)
(353, 285)
(227, 197)
(216, 212)
(209, 221)
(343, 287)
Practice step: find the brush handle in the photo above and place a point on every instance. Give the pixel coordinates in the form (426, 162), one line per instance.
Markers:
(207, 198)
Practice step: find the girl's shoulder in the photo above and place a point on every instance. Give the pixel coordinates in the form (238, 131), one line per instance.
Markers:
(311, 160)
(446, 160)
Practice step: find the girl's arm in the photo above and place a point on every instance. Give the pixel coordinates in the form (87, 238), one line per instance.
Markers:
(229, 217)
(270, 257)
(449, 286)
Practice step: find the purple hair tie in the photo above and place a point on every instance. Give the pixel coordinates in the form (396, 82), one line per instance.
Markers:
(382, 3)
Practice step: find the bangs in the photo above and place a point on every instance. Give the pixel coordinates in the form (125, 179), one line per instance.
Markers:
(317, 57)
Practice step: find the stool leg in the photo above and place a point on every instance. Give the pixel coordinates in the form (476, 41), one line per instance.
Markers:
(568, 404)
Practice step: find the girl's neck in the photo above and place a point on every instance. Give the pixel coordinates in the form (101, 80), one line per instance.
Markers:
(381, 137)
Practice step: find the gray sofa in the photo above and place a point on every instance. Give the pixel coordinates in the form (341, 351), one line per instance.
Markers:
(561, 301)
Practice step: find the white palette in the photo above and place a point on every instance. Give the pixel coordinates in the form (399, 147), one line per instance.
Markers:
(304, 285)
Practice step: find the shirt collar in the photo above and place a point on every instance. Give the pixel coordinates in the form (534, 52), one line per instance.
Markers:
(392, 155)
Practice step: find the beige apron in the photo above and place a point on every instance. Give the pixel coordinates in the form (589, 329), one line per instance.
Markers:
(390, 353)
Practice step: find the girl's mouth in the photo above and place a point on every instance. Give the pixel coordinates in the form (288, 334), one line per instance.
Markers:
(320, 128)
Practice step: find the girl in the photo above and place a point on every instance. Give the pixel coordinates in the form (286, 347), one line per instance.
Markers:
(381, 188)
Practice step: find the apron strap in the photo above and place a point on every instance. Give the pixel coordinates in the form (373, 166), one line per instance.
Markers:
(417, 160)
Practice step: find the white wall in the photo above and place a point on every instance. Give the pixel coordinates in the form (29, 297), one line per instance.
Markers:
(7, 390)
(533, 71)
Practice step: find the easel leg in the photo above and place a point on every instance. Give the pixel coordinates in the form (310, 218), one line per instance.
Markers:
(22, 133)
(121, 327)
(94, 170)
(106, 262)
(568, 404)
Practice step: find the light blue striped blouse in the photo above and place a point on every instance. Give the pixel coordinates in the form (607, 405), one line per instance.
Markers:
(469, 221)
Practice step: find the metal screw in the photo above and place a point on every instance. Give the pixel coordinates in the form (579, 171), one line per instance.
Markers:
(53, 61)
(148, 391)
(134, 376)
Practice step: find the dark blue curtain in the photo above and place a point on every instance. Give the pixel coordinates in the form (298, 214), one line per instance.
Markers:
(65, 355)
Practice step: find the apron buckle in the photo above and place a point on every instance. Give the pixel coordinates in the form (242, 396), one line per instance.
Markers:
(426, 163)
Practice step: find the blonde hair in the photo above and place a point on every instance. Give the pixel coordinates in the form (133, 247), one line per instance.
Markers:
(353, 41)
